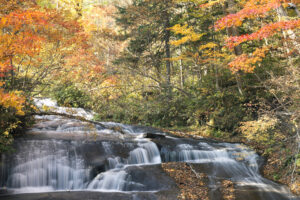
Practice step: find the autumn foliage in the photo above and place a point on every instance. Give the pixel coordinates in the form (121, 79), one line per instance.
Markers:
(254, 10)
(247, 63)
(263, 33)
(26, 31)
(12, 100)
(251, 9)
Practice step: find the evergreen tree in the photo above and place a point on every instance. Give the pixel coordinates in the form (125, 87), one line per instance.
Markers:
(145, 24)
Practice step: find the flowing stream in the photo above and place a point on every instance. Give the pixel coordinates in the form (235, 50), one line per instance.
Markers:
(59, 155)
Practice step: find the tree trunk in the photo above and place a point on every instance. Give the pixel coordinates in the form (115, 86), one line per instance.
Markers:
(217, 78)
(181, 74)
(168, 52)
(12, 74)
(167, 49)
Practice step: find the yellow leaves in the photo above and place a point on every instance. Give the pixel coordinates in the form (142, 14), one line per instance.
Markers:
(295, 187)
(34, 108)
(135, 95)
(12, 100)
(212, 3)
(6, 133)
(188, 33)
(46, 108)
(3, 21)
(109, 88)
(179, 42)
(11, 127)
(261, 52)
(177, 58)
(211, 53)
(259, 130)
(209, 45)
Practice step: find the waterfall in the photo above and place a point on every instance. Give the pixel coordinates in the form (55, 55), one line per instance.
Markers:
(47, 164)
(147, 153)
(61, 154)
(110, 180)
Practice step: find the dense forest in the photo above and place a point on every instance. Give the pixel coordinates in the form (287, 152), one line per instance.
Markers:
(224, 69)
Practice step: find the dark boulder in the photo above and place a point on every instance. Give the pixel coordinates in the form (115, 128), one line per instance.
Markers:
(153, 136)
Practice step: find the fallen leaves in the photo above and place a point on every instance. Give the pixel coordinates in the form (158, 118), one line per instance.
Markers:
(192, 186)
(228, 190)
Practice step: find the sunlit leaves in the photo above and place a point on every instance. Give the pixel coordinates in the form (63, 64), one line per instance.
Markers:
(25, 31)
(188, 34)
(212, 3)
(252, 9)
(247, 63)
(209, 45)
(255, 11)
(18, 33)
(260, 130)
(265, 32)
(12, 100)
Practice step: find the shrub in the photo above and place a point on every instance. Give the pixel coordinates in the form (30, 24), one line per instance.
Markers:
(69, 95)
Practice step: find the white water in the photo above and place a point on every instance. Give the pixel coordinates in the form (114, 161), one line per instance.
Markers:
(110, 180)
(46, 104)
(47, 165)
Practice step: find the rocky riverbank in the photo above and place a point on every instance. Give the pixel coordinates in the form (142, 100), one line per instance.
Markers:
(277, 165)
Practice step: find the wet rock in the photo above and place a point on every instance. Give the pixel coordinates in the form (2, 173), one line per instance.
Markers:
(69, 196)
(153, 135)
(97, 169)
(118, 129)
(84, 195)
(149, 178)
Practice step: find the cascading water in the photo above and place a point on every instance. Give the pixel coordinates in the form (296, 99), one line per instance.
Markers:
(47, 165)
(61, 154)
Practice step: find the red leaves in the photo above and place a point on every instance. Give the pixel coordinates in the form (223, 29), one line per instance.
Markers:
(265, 32)
(252, 10)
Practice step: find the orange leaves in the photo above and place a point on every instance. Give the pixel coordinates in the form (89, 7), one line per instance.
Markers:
(246, 62)
(35, 40)
(83, 65)
(264, 32)
(20, 32)
(30, 27)
(26, 32)
(4, 69)
(252, 9)
(20, 18)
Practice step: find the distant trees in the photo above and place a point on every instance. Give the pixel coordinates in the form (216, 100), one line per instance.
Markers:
(148, 52)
